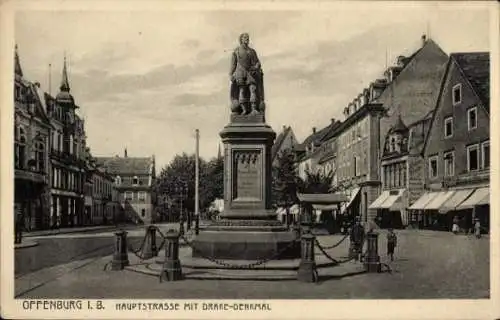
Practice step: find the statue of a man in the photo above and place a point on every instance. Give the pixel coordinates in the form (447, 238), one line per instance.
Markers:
(246, 74)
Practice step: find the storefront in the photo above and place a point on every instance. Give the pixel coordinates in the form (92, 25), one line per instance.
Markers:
(391, 211)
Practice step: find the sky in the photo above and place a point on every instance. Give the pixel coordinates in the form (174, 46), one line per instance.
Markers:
(145, 80)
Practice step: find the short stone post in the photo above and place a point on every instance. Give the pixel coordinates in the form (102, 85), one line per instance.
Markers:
(172, 270)
(372, 259)
(120, 257)
(150, 250)
(307, 266)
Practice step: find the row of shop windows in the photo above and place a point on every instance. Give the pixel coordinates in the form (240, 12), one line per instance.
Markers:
(62, 179)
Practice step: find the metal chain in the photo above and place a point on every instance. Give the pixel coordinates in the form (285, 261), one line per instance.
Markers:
(336, 244)
(245, 266)
(328, 256)
(141, 247)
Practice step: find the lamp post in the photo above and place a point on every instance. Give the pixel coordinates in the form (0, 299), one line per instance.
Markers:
(196, 185)
(181, 190)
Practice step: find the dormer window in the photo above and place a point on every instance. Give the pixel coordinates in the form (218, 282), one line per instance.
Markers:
(135, 181)
(393, 145)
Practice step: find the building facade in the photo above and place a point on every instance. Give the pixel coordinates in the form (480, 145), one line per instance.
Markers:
(457, 150)
(402, 172)
(285, 140)
(133, 179)
(32, 129)
(67, 158)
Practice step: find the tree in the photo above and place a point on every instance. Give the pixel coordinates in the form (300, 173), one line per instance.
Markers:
(180, 172)
(285, 180)
(317, 182)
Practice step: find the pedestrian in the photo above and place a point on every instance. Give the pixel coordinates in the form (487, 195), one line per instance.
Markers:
(357, 235)
(392, 241)
(477, 228)
(455, 227)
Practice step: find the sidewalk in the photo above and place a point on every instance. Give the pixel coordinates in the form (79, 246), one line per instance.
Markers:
(78, 230)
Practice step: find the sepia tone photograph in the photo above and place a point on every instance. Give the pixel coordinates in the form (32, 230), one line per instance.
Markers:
(250, 154)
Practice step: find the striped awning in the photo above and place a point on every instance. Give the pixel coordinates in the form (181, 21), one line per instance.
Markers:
(423, 201)
(438, 200)
(479, 197)
(457, 198)
(393, 202)
(376, 204)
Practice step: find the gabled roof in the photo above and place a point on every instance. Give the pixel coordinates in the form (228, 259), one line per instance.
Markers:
(278, 142)
(476, 68)
(126, 166)
(399, 126)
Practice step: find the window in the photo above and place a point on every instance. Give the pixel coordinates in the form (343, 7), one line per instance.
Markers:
(486, 154)
(472, 118)
(433, 167)
(143, 212)
(457, 94)
(118, 180)
(40, 156)
(141, 196)
(135, 181)
(473, 157)
(448, 127)
(129, 195)
(20, 149)
(449, 164)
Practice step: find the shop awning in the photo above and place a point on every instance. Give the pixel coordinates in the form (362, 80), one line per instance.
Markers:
(480, 196)
(376, 204)
(457, 198)
(423, 201)
(354, 194)
(325, 207)
(322, 198)
(393, 202)
(438, 200)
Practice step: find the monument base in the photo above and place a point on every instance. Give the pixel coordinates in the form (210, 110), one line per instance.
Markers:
(247, 243)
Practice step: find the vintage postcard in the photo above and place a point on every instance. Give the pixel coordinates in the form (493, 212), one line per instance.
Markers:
(249, 160)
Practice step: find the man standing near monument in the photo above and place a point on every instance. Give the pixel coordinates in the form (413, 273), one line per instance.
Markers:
(246, 72)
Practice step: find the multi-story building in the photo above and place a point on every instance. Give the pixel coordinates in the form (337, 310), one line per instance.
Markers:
(357, 155)
(327, 155)
(31, 149)
(285, 140)
(457, 149)
(134, 178)
(309, 152)
(67, 157)
(105, 209)
(402, 172)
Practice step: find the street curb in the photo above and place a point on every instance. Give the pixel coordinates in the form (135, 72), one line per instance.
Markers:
(27, 244)
(70, 231)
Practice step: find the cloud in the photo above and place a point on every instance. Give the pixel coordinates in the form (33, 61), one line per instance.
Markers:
(146, 80)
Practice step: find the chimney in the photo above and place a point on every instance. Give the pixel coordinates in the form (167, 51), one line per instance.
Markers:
(125, 153)
(314, 130)
(284, 127)
(37, 84)
(332, 120)
(424, 39)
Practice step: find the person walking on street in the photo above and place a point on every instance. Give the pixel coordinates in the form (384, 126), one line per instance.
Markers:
(392, 241)
(455, 228)
(477, 228)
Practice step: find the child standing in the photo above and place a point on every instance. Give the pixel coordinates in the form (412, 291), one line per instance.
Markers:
(477, 228)
(392, 240)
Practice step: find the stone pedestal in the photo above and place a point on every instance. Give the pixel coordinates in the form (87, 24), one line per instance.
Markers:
(248, 229)
(172, 270)
(120, 256)
(372, 259)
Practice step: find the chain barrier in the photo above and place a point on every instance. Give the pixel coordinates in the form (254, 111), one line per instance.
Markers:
(141, 247)
(160, 247)
(337, 262)
(244, 266)
(336, 244)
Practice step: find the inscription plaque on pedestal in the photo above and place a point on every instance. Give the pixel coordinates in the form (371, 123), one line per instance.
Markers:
(247, 176)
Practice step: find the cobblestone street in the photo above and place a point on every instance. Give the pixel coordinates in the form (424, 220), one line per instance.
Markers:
(428, 265)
